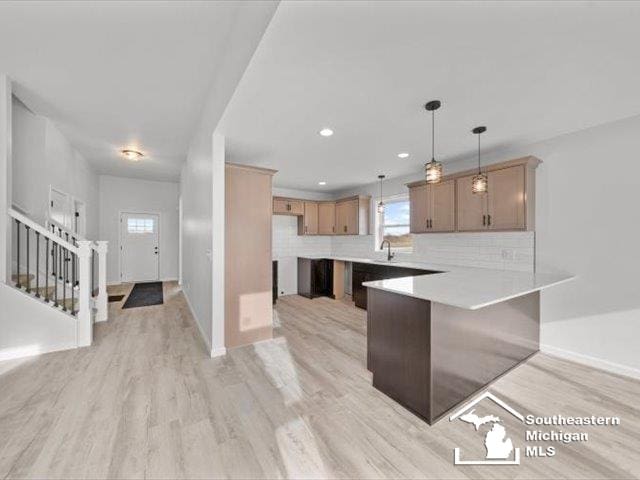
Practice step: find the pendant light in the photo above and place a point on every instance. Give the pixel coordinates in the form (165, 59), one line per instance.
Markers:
(433, 169)
(480, 182)
(381, 203)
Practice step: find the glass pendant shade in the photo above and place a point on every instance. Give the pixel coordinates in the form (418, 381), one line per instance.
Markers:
(480, 183)
(380, 207)
(433, 171)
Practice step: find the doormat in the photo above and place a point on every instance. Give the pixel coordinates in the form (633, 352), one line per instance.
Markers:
(115, 298)
(145, 294)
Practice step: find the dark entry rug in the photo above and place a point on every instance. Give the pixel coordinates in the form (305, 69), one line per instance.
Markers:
(145, 294)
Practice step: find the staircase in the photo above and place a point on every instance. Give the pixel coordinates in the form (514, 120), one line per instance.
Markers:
(57, 267)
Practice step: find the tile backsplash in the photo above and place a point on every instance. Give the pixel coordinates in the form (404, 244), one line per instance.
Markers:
(498, 250)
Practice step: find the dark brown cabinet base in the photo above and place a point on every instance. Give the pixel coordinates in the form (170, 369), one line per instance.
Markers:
(368, 272)
(315, 277)
(430, 357)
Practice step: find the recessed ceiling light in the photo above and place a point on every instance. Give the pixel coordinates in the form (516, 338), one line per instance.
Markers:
(132, 155)
(322, 183)
(403, 155)
(326, 132)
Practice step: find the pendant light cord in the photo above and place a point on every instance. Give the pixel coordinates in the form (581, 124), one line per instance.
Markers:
(433, 135)
(479, 171)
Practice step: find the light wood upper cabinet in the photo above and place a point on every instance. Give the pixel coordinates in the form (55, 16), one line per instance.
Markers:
(442, 207)
(432, 207)
(472, 207)
(451, 205)
(326, 218)
(418, 208)
(506, 199)
(287, 206)
(503, 207)
(310, 219)
(352, 216)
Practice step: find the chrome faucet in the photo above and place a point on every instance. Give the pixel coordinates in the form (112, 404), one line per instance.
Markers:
(389, 254)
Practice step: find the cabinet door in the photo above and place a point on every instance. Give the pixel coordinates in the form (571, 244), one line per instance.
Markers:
(326, 218)
(419, 208)
(506, 208)
(352, 217)
(280, 206)
(296, 207)
(347, 217)
(472, 207)
(443, 207)
(310, 218)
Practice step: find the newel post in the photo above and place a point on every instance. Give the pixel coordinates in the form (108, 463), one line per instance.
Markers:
(84, 329)
(102, 303)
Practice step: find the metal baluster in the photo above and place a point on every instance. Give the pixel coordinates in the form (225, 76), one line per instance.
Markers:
(64, 282)
(60, 269)
(37, 264)
(66, 260)
(55, 275)
(18, 247)
(46, 273)
(73, 285)
(28, 255)
(53, 257)
(74, 262)
(93, 257)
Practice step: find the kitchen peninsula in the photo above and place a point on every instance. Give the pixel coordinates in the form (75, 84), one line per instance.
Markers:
(435, 340)
(436, 334)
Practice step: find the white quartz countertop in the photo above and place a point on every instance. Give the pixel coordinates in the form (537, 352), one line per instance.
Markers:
(463, 287)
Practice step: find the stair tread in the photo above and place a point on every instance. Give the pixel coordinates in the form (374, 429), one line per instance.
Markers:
(23, 277)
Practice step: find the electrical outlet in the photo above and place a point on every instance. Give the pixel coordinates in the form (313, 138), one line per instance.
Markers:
(508, 254)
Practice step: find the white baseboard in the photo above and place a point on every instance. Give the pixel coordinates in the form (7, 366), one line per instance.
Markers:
(195, 320)
(218, 352)
(13, 353)
(591, 361)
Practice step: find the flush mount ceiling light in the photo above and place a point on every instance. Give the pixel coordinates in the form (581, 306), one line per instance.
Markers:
(433, 169)
(403, 155)
(132, 155)
(322, 183)
(381, 203)
(479, 182)
(326, 132)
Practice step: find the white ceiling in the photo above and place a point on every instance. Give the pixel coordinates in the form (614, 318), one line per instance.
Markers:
(528, 71)
(113, 75)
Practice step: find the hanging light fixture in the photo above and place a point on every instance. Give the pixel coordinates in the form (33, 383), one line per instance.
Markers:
(433, 169)
(480, 182)
(381, 203)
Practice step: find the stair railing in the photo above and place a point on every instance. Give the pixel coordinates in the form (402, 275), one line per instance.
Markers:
(57, 271)
(98, 262)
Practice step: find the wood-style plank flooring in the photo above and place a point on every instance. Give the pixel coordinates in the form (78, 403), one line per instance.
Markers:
(145, 401)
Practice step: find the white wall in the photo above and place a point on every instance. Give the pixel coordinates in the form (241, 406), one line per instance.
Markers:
(42, 156)
(202, 182)
(118, 194)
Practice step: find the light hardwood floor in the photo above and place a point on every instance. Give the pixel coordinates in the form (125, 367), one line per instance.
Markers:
(146, 401)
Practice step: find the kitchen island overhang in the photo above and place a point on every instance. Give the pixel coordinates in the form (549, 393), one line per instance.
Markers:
(430, 355)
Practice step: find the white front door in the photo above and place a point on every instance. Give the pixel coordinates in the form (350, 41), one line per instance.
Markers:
(139, 242)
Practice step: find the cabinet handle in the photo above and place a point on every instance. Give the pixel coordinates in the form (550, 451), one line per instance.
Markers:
(345, 229)
(427, 220)
(333, 229)
(484, 220)
(430, 223)
(489, 220)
